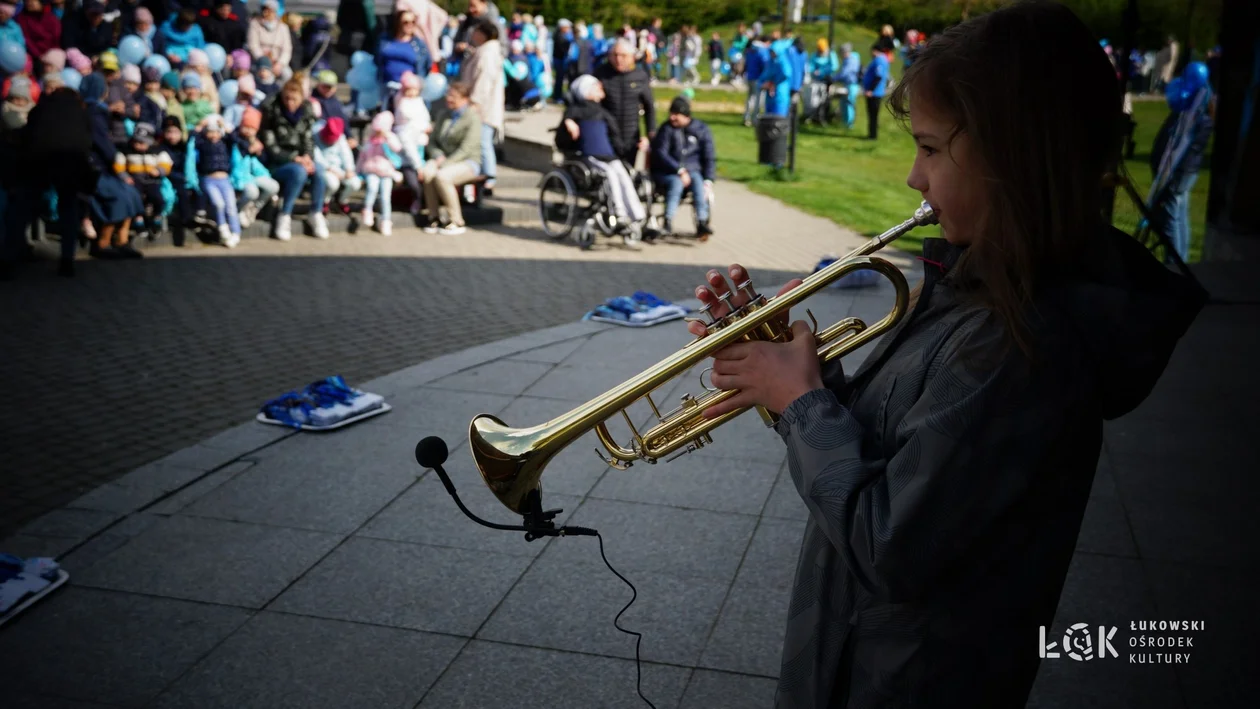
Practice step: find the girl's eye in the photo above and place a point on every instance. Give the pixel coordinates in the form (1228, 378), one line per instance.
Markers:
(929, 152)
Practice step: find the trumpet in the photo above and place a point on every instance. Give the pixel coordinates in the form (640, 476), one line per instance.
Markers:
(512, 460)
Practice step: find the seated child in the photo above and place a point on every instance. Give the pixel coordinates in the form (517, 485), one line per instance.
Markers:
(152, 102)
(173, 108)
(240, 63)
(376, 164)
(212, 157)
(245, 90)
(334, 157)
(590, 128)
(195, 105)
(412, 121)
(147, 165)
(249, 176)
(265, 77)
(185, 199)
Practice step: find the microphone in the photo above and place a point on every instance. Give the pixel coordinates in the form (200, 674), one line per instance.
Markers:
(431, 452)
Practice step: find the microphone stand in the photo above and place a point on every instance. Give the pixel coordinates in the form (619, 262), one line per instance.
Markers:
(537, 522)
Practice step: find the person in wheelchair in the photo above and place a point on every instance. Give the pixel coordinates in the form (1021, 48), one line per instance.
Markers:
(589, 128)
(683, 158)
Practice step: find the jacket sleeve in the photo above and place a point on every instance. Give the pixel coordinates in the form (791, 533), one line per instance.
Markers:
(424, 59)
(563, 140)
(662, 161)
(286, 48)
(649, 108)
(708, 153)
(470, 141)
(965, 453)
(253, 42)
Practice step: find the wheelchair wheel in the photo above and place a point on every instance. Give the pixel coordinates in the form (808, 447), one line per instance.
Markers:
(585, 236)
(557, 204)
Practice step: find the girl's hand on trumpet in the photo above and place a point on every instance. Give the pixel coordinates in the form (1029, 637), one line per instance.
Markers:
(768, 374)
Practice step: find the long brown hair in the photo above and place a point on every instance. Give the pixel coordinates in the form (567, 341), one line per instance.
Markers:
(1040, 102)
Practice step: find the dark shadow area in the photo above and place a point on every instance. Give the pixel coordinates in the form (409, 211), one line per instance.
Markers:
(133, 360)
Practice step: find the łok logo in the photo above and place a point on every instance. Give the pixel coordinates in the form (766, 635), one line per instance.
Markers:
(1078, 643)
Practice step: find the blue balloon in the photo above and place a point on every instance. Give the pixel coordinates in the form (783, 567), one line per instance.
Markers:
(12, 57)
(227, 93)
(726, 67)
(72, 78)
(434, 87)
(359, 57)
(362, 77)
(132, 50)
(1178, 95)
(218, 57)
(159, 62)
(1195, 75)
(370, 99)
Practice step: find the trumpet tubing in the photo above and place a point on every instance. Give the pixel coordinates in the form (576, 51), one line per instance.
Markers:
(512, 460)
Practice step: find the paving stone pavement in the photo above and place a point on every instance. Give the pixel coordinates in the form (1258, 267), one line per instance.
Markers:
(132, 361)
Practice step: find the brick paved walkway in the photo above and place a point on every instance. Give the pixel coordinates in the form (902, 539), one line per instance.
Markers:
(131, 361)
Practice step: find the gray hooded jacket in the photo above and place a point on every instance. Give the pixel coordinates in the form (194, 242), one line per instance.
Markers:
(947, 480)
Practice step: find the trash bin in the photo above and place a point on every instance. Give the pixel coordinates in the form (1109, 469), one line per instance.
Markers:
(772, 139)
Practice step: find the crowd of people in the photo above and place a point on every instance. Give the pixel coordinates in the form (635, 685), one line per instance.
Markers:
(129, 120)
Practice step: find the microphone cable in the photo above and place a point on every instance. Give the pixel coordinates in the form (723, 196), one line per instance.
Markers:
(634, 594)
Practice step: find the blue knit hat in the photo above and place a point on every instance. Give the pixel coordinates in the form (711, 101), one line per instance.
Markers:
(191, 81)
(92, 88)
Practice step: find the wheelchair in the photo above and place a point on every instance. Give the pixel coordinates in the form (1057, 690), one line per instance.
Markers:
(575, 200)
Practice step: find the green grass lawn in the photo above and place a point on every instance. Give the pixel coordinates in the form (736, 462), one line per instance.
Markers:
(862, 184)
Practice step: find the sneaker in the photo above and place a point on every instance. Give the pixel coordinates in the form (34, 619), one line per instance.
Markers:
(320, 226)
(415, 207)
(453, 230)
(225, 234)
(431, 228)
(284, 227)
(247, 214)
(386, 228)
(127, 251)
(703, 231)
(367, 219)
(232, 240)
(667, 228)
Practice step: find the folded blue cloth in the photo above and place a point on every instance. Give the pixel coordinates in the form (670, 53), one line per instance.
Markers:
(642, 308)
(321, 403)
(20, 578)
(857, 279)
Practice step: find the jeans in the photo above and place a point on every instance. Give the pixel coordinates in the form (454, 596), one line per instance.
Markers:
(488, 166)
(752, 104)
(335, 187)
(292, 178)
(385, 185)
(674, 192)
(260, 190)
(1172, 213)
(872, 116)
(221, 195)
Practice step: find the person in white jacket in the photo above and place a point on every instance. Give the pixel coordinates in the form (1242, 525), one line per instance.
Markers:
(484, 72)
(334, 157)
(411, 120)
(269, 37)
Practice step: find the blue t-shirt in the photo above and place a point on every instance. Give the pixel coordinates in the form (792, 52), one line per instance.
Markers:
(594, 140)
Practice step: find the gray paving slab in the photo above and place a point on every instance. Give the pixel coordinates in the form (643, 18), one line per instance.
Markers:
(784, 501)
(71, 523)
(138, 488)
(247, 437)
(545, 679)
(748, 635)
(708, 689)
(102, 545)
(1221, 671)
(400, 585)
(427, 411)
(118, 648)
(211, 560)
(508, 377)
(27, 701)
(321, 496)
(278, 661)
(684, 543)
(1105, 529)
(201, 487)
(771, 557)
(426, 514)
(550, 354)
(568, 603)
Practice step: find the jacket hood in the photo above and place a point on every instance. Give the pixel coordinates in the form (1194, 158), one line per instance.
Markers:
(1127, 310)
